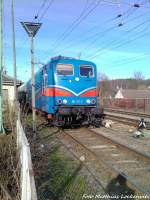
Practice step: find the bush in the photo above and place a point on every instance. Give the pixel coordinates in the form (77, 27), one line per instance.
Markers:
(9, 168)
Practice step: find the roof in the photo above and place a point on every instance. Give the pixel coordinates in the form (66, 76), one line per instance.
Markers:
(8, 80)
(135, 94)
(61, 58)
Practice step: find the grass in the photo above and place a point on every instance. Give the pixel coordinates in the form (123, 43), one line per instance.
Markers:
(58, 175)
(62, 179)
(9, 168)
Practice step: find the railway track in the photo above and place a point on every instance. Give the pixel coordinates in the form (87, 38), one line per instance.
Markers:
(127, 117)
(132, 165)
(138, 114)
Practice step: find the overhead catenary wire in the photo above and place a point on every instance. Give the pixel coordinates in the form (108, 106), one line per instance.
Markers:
(45, 10)
(72, 24)
(115, 18)
(125, 43)
(129, 61)
(84, 13)
(86, 16)
(128, 58)
(95, 34)
(103, 34)
(129, 22)
(75, 25)
(102, 49)
(40, 9)
(74, 42)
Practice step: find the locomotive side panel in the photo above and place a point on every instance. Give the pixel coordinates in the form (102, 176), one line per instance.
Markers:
(45, 100)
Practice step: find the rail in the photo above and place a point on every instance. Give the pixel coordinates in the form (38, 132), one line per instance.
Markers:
(127, 112)
(80, 139)
(127, 117)
(28, 189)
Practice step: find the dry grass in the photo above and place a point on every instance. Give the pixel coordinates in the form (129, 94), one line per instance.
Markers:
(9, 168)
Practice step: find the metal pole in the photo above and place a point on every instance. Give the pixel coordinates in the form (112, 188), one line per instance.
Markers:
(1, 67)
(33, 83)
(14, 52)
(32, 28)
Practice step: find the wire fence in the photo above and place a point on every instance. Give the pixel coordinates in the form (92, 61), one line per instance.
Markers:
(135, 105)
(28, 189)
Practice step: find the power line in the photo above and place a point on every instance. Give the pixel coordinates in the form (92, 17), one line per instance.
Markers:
(78, 21)
(125, 43)
(74, 25)
(98, 34)
(131, 61)
(40, 9)
(102, 32)
(46, 9)
(114, 41)
(125, 60)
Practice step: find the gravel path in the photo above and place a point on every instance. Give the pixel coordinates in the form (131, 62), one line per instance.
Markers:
(120, 132)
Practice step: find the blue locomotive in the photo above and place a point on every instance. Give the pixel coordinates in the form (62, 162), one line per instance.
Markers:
(66, 91)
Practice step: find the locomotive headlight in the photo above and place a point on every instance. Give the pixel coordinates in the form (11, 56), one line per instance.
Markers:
(65, 101)
(88, 101)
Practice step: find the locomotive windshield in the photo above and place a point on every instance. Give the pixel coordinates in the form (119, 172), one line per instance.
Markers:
(64, 69)
(86, 71)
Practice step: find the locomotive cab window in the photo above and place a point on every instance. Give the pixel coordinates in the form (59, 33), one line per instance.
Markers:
(86, 71)
(64, 69)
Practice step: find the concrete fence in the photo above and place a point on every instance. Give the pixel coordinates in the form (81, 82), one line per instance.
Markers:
(28, 190)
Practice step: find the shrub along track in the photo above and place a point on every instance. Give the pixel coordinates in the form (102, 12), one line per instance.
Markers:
(131, 165)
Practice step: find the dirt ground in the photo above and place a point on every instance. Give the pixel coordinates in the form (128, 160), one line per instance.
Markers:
(58, 173)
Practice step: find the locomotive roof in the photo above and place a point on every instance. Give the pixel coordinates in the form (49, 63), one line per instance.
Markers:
(57, 58)
(61, 58)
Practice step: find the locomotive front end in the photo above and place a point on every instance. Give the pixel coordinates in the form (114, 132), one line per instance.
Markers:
(75, 92)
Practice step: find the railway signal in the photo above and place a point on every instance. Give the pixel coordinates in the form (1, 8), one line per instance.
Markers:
(32, 29)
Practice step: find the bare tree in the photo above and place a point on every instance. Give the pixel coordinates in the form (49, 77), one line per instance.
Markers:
(138, 75)
(102, 77)
(104, 86)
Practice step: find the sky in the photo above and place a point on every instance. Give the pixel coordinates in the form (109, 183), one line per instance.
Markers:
(89, 29)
